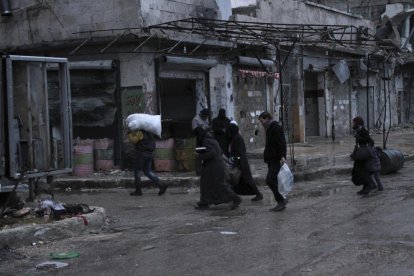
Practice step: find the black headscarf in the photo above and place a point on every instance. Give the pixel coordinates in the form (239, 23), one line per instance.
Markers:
(231, 131)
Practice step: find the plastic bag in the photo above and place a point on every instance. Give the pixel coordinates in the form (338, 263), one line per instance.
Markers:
(135, 137)
(285, 180)
(150, 123)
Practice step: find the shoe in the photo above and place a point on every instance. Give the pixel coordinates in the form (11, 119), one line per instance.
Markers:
(380, 189)
(201, 207)
(361, 192)
(163, 188)
(258, 197)
(365, 191)
(280, 207)
(236, 202)
(136, 193)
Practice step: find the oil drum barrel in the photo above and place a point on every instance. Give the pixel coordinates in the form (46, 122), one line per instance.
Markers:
(391, 161)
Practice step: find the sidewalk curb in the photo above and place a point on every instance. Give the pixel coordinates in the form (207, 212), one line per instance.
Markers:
(191, 181)
(182, 181)
(70, 227)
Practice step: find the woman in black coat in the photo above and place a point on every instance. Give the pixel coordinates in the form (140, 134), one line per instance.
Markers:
(246, 185)
(361, 173)
(213, 186)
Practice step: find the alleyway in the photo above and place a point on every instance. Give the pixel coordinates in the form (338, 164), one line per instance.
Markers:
(326, 230)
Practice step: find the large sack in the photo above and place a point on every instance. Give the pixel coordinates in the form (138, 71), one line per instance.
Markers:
(150, 123)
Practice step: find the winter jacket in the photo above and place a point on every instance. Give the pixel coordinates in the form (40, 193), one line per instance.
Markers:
(275, 147)
(147, 144)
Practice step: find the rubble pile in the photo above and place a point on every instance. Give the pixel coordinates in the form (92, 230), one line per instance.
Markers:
(40, 212)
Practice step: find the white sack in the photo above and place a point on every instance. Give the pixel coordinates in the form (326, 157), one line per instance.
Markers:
(285, 180)
(150, 123)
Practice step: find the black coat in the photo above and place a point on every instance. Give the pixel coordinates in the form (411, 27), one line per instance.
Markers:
(275, 147)
(219, 125)
(246, 186)
(213, 186)
(361, 174)
(147, 144)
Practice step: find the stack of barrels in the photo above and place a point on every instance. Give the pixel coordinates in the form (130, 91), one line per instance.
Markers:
(104, 154)
(83, 158)
(164, 156)
(185, 154)
(92, 154)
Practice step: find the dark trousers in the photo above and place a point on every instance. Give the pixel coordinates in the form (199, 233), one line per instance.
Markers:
(144, 164)
(378, 180)
(271, 180)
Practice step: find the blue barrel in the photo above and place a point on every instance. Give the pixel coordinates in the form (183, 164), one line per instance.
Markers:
(391, 161)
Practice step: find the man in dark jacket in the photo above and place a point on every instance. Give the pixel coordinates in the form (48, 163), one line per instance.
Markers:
(274, 155)
(220, 124)
(144, 155)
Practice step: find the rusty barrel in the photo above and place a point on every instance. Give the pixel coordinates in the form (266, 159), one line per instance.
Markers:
(104, 154)
(391, 161)
(164, 156)
(184, 154)
(83, 160)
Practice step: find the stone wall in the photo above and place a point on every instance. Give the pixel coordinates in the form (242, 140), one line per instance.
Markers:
(50, 22)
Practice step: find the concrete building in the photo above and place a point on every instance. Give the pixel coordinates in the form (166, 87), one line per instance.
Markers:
(323, 104)
(118, 67)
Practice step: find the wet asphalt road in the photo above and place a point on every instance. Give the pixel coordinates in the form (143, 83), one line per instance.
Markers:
(326, 230)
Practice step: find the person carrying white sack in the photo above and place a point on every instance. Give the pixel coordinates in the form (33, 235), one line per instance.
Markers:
(144, 142)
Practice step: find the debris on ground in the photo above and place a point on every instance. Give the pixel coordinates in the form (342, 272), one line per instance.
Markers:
(51, 264)
(65, 255)
(7, 254)
(41, 212)
(228, 233)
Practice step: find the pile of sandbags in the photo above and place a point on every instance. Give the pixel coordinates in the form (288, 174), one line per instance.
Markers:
(140, 121)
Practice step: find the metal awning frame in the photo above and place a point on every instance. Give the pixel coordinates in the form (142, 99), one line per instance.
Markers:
(236, 33)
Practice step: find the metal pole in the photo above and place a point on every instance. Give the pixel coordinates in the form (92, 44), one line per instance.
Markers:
(368, 92)
(282, 109)
(384, 142)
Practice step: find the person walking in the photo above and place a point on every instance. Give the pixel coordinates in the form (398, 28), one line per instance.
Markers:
(213, 186)
(246, 185)
(144, 155)
(219, 125)
(200, 120)
(361, 171)
(274, 156)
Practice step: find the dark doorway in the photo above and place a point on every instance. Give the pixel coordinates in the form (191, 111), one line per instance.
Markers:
(312, 104)
(178, 106)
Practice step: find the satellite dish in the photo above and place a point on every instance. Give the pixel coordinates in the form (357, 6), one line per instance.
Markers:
(388, 33)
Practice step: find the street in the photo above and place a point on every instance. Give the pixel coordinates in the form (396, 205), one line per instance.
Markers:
(327, 229)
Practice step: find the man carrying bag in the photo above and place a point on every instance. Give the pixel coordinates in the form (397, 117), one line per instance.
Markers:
(274, 155)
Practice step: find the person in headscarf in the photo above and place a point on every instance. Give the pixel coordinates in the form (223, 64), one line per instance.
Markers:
(361, 174)
(213, 186)
(201, 120)
(219, 125)
(246, 185)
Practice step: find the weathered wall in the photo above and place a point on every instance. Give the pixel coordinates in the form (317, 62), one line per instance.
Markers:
(40, 22)
(295, 12)
(139, 70)
(221, 89)
(250, 98)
